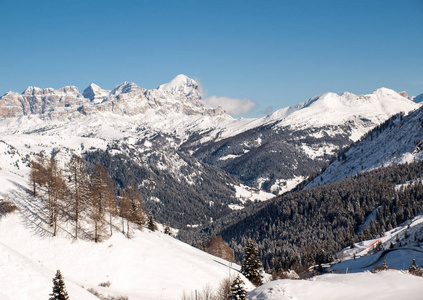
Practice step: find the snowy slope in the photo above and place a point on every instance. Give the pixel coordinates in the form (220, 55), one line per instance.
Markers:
(361, 111)
(387, 285)
(177, 108)
(399, 141)
(150, 265)
(352, 278)
(274, 153)
(406, 240)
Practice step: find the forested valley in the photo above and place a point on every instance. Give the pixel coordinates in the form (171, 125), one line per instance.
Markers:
(308, 227)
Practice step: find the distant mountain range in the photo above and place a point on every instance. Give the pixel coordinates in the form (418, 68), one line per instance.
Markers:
(190, 162)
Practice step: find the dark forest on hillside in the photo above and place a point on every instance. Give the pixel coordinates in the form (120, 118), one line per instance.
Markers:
(308, 227)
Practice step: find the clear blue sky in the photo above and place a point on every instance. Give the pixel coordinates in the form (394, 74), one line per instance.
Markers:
(276, 53)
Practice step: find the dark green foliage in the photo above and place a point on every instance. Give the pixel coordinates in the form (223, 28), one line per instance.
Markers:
(378, 247)
(238, 291)
(307, 227)
(414, 269)
(272, 152)
(59, 288)
(166, 194)
(251, 266)
(150, 223)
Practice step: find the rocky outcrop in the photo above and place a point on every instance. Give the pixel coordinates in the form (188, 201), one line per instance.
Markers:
(180, 95)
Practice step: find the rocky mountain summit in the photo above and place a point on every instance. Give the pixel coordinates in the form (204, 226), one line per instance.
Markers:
(198, 162)
(179, 95)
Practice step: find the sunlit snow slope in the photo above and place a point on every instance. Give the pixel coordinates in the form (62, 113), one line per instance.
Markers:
(150, 265)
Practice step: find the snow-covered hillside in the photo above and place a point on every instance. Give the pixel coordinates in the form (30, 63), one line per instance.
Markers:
(168, 138)
(360, 111)
(150, 265)
(398, 247)
(397, 141)
(352, 277)
(296, 142)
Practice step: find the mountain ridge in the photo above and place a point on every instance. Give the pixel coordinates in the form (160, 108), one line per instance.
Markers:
(167, 134)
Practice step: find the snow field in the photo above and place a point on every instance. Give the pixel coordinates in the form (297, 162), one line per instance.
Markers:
(386, 285)
(151, 265)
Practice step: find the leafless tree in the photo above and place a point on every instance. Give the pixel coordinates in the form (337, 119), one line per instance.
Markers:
(37, 174)
(56, 192)
(217, 247)
(102, 200)
(79, 189)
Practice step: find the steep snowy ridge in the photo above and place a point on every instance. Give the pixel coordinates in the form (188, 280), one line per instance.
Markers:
(299, 141)
(95, 93)
(361, 111)
(181, 99)
(170, 125)
(399, 140)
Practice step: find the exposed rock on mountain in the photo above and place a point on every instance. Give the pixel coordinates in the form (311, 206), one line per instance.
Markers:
(191, 154)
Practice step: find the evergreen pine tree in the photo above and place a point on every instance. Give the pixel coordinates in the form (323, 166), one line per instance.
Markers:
(59, 288)
(251, 266)
(237, 289)
(414, 269)
(151, 224)
(385, 265)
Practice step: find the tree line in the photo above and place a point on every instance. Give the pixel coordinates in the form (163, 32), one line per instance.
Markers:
(308, 227)
(72, 194)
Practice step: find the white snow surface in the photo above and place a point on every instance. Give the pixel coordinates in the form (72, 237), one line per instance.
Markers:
(150, 265)
(177, 108)
(50, 119)
(245, 193)
(282, 186)
(399, 143)
(334, 109)
(387, 285)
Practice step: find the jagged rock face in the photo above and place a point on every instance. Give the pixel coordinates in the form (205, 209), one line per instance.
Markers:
(39, 101)
(95, 93)
(181, 95)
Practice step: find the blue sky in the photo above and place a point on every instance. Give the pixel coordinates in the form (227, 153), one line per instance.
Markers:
(272, 53)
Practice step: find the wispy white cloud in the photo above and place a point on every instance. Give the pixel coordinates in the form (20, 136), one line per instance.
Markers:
(233, 106)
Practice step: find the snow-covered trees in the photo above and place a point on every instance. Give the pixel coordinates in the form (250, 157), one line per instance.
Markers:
(238, 291)
(59, 288)
(251, 266)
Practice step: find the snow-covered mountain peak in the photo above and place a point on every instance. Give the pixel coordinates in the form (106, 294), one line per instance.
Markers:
(126, 88)
(180, 83)
(32, 90)
(35, 91)
(95, 93)
(334, 109)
